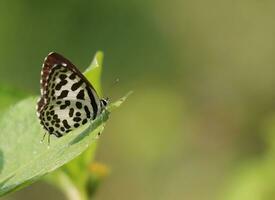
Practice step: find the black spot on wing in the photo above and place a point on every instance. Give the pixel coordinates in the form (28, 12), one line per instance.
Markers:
(63, 94)
(62, 107)
(76, 125)
(77, 119)
(60, 84)
(65, 105)
(71, 112)
(88, 113)
(52, 92)
(66, 125)
(78, 114)
(57, 134)
(76, 85)
(84, 121)
(78, 105)
(72, 76)
(51, 129)
(80, 95)
(63, 76)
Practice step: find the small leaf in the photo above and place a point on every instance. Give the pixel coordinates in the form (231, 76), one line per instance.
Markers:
(118, 103)
(23, 159)
(93, 72)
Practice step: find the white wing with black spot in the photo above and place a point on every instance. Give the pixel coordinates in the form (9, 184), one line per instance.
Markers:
(68, 100)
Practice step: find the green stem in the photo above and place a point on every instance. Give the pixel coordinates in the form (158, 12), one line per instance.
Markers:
(71, 191)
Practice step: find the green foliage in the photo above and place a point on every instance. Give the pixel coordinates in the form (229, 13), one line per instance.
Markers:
(23, 159)
(8, 97)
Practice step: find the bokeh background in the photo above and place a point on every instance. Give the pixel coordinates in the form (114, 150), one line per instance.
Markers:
(201, 122)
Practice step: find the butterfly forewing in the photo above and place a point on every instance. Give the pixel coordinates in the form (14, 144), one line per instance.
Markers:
(67, 99)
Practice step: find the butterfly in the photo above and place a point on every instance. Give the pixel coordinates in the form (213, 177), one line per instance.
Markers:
(68, 100)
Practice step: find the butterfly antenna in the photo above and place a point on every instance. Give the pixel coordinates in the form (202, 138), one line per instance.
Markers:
(41, 141)
(115, 82)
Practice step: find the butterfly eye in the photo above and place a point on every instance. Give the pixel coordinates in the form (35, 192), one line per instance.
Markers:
(104, 102)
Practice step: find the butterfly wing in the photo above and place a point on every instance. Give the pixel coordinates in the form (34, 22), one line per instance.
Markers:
(67, 97)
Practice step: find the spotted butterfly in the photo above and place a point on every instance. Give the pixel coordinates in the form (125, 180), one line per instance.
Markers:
(68, 100)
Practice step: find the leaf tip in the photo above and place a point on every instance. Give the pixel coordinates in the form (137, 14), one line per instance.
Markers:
(98, 59)
(116, 104)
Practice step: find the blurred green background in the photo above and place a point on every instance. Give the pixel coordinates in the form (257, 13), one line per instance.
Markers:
(201, 122)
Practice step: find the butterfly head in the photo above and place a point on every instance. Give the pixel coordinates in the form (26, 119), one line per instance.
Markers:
(104, 102)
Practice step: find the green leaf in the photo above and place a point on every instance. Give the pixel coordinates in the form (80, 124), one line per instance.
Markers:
(23, 159)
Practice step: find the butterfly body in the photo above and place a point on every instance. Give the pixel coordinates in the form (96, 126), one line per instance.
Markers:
(68, 100)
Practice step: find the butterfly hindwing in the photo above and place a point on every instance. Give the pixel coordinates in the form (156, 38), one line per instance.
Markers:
(62, 116)
(67, 99)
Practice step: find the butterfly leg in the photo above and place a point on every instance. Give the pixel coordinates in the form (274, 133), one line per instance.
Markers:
(43, 137)
(49, 140)
(102, 122)
(90, 122)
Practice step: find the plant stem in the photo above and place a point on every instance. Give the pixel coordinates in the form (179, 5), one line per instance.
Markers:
(71, 191)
